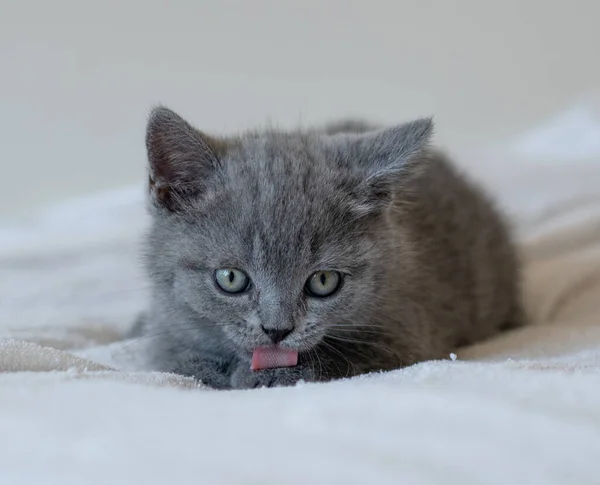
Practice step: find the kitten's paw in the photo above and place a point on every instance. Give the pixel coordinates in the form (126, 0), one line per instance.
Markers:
(215, 373)
(244, 378)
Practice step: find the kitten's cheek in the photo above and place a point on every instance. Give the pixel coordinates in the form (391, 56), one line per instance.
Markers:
(179, 287)
(186, 290)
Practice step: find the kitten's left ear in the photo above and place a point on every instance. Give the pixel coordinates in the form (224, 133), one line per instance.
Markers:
(386, 158)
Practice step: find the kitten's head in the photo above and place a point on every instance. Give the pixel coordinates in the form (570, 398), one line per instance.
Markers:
(276, 237)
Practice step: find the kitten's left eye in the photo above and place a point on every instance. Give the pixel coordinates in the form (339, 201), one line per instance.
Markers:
(232, 280)
(323, 283)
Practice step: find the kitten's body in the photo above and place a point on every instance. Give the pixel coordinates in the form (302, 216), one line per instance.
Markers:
(428, 260)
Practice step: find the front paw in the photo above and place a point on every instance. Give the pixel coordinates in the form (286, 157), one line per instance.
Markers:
(244, 378)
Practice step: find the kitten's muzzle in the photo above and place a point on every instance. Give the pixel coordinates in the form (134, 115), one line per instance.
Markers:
(277, 334)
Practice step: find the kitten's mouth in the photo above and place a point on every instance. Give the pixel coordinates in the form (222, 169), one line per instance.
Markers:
(274, 356)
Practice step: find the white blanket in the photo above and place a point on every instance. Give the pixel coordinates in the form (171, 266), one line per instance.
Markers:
(523, 408)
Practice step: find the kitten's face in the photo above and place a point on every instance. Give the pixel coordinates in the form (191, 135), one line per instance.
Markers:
(275, 232)
(277, 217)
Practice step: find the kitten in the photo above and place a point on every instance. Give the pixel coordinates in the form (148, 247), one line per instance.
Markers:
(360, 248)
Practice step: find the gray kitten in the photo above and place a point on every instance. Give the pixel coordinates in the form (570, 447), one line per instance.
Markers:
(361, 248)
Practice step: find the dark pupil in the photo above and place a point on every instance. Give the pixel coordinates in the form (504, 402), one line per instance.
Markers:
(323, 279)
(231, 276)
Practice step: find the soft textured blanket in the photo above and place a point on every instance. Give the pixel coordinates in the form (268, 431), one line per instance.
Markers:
(77, 408)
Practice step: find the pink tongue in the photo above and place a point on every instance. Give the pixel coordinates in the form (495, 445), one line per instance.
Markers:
(268, 357)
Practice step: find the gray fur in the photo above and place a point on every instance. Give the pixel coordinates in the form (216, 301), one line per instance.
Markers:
(428, 259)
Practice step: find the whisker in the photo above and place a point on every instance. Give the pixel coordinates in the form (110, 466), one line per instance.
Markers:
(360, 329)
(355, 329)
(376, 345)
(312, 362)
(165, 330)
(319, 361)
(353, 350)
(338, 352)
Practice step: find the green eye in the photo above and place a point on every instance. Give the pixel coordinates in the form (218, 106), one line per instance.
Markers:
(323, 283)
(232, 280)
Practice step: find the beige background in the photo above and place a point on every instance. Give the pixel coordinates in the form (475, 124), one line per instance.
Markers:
(78, 78)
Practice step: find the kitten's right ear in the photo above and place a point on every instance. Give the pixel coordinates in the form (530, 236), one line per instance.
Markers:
(180, 158)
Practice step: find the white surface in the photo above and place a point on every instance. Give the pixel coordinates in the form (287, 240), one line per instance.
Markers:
(78, 78)
(522, 408)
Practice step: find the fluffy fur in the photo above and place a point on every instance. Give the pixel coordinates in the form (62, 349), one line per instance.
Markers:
(428, 261)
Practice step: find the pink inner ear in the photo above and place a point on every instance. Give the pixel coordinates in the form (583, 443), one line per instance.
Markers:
(270, 357)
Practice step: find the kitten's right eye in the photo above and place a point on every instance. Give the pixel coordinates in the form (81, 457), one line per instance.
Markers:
(232, 280)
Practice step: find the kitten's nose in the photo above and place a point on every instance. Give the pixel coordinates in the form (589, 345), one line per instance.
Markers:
(277, 334)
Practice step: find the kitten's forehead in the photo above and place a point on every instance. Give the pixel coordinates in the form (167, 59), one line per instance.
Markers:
(288, 195)
(281, 174)
(301, 161)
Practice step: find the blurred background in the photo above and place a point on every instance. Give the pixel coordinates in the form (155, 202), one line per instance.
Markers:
(77, 79)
